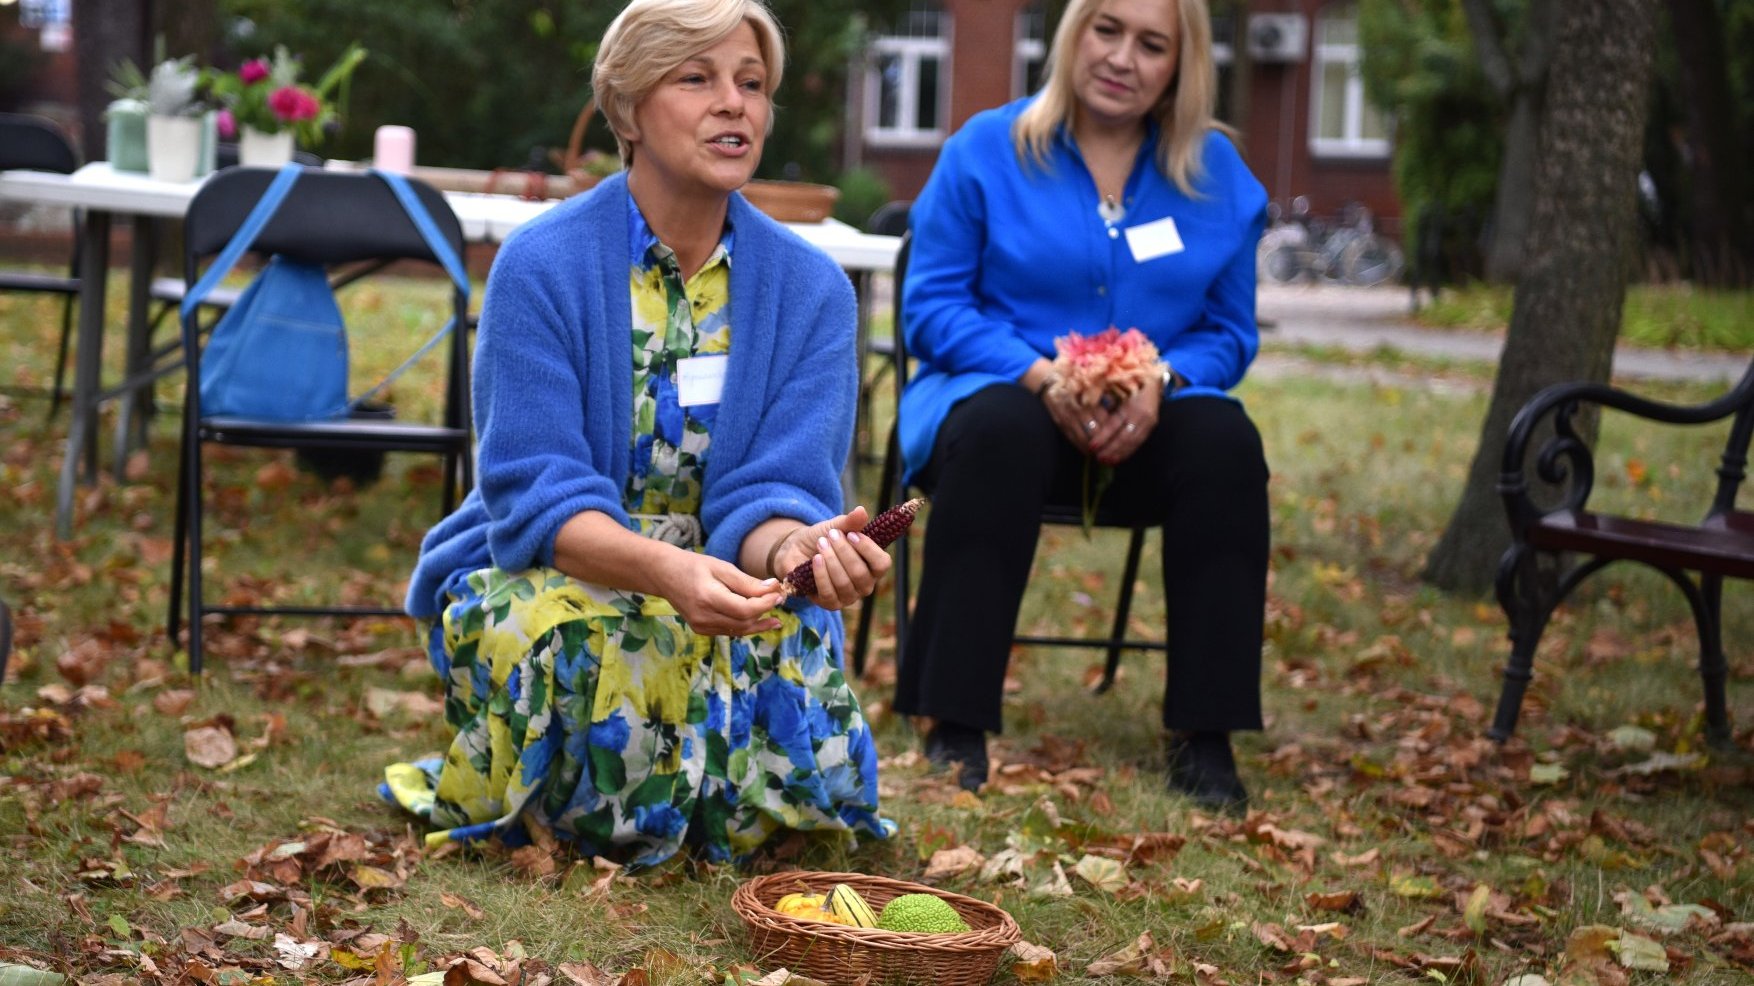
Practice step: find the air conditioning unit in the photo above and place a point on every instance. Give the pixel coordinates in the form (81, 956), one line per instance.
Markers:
(1277, 37)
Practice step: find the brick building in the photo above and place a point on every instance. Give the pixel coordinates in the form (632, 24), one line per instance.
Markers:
(1288, 82)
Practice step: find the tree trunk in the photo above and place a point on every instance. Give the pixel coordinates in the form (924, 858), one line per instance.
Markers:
(1719, 223)
(1520, 83)
(1578, 259)
(104, 33)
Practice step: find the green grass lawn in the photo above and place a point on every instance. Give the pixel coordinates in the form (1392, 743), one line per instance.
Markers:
(1661, 316)
(1391, 841)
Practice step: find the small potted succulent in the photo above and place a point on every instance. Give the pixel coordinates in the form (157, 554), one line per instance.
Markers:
(174, 121)
(125, 117)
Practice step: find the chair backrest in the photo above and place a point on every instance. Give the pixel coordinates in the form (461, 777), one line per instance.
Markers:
(890, 219)
(330, 217)
(36, 144)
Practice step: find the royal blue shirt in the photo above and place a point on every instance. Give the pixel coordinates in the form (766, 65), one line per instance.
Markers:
(1008, 256)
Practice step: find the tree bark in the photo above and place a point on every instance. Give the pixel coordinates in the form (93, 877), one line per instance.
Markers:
(1720, 226)
(104, 33)
(1579, 256)
(1520, 83)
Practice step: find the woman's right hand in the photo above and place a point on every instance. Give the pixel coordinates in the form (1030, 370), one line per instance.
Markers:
(1076, 422)
(716, 598)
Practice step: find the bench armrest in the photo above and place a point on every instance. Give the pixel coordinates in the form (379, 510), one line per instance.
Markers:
(1565, 460)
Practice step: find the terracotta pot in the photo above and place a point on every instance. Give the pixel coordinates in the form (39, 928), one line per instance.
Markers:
(792, 201)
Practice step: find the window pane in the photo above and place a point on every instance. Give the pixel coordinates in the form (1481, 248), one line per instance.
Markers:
(888, 91)
(1032, 71)
(926, 107)
(1374, 126)
(1332, 122)
(1338, 25)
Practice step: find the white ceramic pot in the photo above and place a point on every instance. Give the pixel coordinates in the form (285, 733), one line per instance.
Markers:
(259, 150)
(173, 147)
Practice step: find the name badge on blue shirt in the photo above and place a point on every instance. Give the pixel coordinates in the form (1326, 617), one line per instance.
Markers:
(700, 380)
(1151, 240)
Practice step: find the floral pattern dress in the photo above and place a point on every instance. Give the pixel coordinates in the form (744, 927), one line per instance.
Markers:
(598, 713)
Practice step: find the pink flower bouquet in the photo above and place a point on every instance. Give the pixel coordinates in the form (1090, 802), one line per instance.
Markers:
(1103, 370)
(266, 95)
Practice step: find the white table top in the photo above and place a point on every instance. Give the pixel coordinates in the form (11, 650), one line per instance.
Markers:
(485, 218)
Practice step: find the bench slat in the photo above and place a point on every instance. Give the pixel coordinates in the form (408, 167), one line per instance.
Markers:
(1726, 547)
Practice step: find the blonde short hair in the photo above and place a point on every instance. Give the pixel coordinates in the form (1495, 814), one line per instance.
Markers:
(1184, 114)
(649, 38)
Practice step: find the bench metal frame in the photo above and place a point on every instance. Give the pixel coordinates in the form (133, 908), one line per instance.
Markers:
(1556, 546)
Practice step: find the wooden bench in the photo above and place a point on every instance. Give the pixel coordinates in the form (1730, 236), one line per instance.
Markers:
(1555, 546)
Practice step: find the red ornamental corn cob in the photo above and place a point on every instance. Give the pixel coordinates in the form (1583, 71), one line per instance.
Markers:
(883, 529)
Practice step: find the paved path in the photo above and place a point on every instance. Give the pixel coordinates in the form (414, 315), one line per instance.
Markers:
(1366, 320)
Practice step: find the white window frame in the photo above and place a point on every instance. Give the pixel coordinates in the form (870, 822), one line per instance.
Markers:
(1024, 50)
(910, 52)
(1326, 53)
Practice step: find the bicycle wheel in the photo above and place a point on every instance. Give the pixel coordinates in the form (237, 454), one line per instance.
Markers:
(1371, 260)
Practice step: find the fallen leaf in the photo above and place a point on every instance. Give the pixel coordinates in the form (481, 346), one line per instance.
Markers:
(173, 701)
(1033, 963)
(1474, 912)
(1639, 952)
(585, 974)
(209, 746)
(1344, 901)
(12, 974)
(1141, 958)
(462, 903)
(1548, 773)
(947, 863)
(1107, 875)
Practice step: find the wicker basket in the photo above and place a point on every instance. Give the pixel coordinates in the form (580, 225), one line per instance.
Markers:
(841, 955)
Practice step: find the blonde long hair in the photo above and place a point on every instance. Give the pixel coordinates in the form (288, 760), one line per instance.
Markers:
(1184, 114)
(649, 38)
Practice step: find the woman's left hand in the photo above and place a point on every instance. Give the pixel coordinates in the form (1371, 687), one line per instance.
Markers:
(847, 564)
(1120, 432)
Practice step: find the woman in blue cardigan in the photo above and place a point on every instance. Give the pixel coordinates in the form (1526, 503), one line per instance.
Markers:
(1110, 198)
(664, 392)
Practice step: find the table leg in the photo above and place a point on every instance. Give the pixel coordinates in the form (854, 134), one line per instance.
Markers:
(135, 411)
(87, 364)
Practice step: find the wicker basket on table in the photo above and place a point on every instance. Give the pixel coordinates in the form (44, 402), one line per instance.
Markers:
(838, 954)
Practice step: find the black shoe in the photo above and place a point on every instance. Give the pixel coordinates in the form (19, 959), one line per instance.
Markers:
(964, 747)
(1202, 767)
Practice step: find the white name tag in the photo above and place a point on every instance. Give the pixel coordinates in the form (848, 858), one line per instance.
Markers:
(1148, 241)
(700, 380)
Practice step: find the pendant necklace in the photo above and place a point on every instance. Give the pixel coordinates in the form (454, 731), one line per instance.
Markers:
(1111, 210)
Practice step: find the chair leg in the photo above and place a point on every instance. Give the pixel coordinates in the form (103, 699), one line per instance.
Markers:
(193, 479)
(1527, 606)
(1123, 608)
(5, 639)
(174, 616)
(888, 485)
(1713, 669)
(59, 394)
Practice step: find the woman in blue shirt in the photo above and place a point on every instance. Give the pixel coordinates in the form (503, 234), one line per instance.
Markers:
(1110, 198)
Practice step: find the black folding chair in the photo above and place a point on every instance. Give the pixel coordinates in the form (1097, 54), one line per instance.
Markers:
(35, 144)
(335, 219)
(1064, 514)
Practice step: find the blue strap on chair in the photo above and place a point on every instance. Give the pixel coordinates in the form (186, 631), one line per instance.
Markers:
(246, 235)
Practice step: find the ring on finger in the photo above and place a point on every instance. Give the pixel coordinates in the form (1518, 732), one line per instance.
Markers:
(1132, 427)
(1090, 425)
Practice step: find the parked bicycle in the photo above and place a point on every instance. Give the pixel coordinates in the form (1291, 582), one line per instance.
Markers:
(1303, 247)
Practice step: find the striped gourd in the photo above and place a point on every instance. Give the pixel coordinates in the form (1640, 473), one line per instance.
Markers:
(847, 905)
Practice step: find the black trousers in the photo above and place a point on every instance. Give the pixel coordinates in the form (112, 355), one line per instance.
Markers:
(999, 458)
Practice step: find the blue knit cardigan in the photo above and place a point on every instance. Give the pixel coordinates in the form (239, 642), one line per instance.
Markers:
(553, 391)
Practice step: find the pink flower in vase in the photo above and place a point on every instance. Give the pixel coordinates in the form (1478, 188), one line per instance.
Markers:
(226, 123)
(253, 71)
(292, 104)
